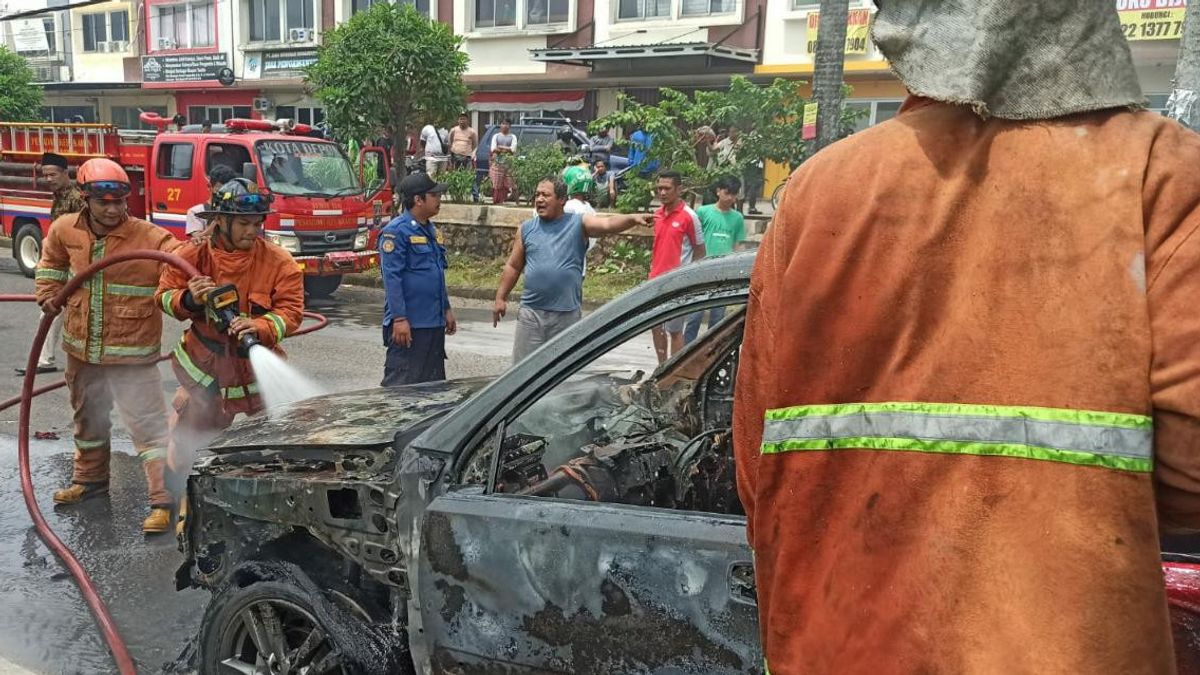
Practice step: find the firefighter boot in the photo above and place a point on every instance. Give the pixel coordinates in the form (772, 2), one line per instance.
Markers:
(78, 492)
(158, 521)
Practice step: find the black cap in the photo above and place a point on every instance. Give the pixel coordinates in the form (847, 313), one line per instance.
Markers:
(54, 159)
(419, 183)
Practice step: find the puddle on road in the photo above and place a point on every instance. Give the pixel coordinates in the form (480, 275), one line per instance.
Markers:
(44, 623)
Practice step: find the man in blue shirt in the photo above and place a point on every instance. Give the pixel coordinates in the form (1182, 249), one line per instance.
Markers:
(640, 143)
(416, 313)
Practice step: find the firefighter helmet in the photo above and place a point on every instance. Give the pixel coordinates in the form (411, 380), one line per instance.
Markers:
(238, 197)
(101, 178)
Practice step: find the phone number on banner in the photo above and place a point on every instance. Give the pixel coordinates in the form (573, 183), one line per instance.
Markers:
(1162, 24)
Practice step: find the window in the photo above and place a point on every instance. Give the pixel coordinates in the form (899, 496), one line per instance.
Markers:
(540, 12)
(83, 114)
(644, 9)
(495, 13)
(95, 31)
(708, 7)
(265, 20)
(871, 113)
(175, 160)
(302, 115)
(127, 117)
(216, 114)
(51, 35)
(183, 26)
(357, 6)
(119, 24)
(299, 14)
(223, 154)
(1157, 102)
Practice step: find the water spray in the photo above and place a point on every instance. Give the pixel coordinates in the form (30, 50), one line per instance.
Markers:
(104, 620)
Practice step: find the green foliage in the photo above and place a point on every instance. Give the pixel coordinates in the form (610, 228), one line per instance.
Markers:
(637, 195)
(770, 118)
(625, 256)
(459, 183)
(20, 98)
(534, 163)
(368, 168)
(385, 68)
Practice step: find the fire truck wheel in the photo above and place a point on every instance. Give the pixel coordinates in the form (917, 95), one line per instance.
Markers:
(27, 248)
(322, 287)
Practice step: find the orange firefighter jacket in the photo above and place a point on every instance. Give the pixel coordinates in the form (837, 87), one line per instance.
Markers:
(270, 291)
(111, 318)
(969, 396)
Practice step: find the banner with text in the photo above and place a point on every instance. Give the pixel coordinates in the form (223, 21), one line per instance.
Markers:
(858, 31)
(182, 67)
(1152, 19)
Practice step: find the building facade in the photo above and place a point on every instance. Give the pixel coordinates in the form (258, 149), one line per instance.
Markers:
(105, 62)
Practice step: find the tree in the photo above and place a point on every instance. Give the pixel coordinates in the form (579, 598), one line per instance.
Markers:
(20, 98)
(387, 67)
(828, 69)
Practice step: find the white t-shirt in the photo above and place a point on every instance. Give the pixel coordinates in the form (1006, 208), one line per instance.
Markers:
(432, 141)
(194, 223)
(578, 206)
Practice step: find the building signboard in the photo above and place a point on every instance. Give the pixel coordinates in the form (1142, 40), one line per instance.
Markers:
(1151, 19)
(858, 31)
(183, 67)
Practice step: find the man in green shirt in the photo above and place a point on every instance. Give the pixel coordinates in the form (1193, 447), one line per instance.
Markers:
(724, 228)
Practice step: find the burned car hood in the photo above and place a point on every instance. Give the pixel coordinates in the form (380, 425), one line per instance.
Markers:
(368, 417)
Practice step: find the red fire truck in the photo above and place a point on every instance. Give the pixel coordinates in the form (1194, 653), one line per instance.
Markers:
(326, 212)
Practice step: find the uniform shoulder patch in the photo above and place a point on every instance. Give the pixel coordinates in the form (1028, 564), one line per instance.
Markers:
(388, 244)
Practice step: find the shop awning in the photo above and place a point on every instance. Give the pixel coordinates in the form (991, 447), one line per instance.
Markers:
(589, 56)
(526, 100)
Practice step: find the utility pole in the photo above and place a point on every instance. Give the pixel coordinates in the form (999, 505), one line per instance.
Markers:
(827, 71)
(1184, 104)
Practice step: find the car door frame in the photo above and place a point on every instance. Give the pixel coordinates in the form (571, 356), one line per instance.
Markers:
(724, 550)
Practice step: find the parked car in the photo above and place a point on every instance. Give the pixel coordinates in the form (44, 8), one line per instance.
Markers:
(538, 132)
(577, 514)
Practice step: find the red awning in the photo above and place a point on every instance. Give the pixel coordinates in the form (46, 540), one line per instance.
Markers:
(526, 100)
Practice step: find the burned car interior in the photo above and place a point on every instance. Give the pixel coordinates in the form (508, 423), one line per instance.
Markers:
(663, 440)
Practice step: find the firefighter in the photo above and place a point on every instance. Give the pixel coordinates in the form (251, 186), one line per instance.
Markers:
(968, 398)
(216, 381)
(66, 200)
(111, 334)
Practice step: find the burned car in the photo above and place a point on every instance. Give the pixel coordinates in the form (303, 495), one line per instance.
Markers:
(578, 514)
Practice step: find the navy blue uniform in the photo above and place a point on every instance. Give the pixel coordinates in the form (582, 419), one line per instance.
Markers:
(414, 279)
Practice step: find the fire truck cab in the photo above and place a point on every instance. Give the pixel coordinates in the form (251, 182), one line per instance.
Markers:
(325, 210)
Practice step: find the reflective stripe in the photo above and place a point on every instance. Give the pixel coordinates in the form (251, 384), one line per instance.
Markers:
(47, 273)
(280, 326)
(72, 342)
(118, 350)
(153, 454)
(239, 392)
(1113, 440)
(137, 291)
(198, 376)
(90, 445)
(167, 298)
(95, 339)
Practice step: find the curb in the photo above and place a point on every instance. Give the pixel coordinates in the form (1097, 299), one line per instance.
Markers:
(371, 281)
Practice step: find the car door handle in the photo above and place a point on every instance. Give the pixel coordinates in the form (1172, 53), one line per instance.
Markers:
(161, 206)
(741, 583)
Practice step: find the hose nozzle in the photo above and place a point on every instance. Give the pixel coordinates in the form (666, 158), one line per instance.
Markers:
(222, 305)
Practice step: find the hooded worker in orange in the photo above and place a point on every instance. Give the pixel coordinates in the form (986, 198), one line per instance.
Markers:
(968, 399)
(216, 381)
(111, 335)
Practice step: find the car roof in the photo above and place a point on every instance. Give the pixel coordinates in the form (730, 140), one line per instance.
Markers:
(726, 276)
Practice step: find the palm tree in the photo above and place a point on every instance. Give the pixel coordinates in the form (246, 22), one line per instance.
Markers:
(827, 71)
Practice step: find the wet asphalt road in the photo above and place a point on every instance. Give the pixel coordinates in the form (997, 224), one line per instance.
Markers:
(44, 625)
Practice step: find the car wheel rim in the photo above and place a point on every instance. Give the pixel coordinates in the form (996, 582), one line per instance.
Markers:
(30, 252)
(276, 637)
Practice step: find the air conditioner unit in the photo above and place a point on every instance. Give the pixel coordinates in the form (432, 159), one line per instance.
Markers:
(299, 35)
(120, 46)
(103, 47)
(262, 104)
(165, 43)
(64, 73)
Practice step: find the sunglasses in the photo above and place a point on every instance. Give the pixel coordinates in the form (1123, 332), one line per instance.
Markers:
(107, 189)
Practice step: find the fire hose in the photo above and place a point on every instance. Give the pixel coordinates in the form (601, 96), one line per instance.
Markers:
(104, 620)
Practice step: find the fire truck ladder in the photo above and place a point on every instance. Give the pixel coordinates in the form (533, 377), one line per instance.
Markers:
(31, 139)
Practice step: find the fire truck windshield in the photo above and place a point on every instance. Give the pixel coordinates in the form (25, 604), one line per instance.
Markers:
(306, 167)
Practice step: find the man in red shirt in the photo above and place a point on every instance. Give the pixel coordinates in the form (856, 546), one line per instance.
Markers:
(678, 240)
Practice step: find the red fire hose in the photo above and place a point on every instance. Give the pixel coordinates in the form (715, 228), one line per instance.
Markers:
(104, 620)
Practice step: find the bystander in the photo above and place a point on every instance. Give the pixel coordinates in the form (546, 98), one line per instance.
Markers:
(724, 229)
(464, 140)
(678, 240)
(604, 186)
(549, 250)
